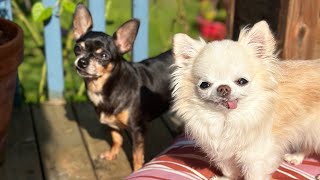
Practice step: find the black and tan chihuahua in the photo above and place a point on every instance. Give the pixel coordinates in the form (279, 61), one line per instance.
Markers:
(125, 95)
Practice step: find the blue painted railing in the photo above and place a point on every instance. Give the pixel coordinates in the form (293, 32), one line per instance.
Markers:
(97, 9)
(5, 9)
(140, 11)
(53, 53)
(53, 45)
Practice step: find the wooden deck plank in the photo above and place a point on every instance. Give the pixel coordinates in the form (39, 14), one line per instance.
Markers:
(69, 151)
(22, 157)
(63, 153)
(98, 140)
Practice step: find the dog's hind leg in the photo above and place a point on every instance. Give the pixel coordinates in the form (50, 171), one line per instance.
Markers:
(138, 149)
(116, 145)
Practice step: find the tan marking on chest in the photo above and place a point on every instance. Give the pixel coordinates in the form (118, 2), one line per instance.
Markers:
(117, 121)
(95, 98)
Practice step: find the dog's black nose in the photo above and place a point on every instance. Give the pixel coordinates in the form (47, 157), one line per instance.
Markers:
(223, 91)
(82, 63)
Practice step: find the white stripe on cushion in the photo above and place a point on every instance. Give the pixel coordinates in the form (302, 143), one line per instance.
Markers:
(158, 168)
(184, 166)
(292, 168)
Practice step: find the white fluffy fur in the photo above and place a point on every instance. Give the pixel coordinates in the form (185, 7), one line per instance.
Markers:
(244, 141)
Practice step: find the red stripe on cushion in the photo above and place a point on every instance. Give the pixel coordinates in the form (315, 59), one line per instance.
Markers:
(311, 162)
(278, 175)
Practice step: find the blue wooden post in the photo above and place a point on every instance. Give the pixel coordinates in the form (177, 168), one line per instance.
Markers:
(141, 11)
(97, 10)
(5, 9)
(53, 53)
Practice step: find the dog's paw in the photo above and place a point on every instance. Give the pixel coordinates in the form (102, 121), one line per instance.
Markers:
(108, 155)
(294, 159)
(137, 166)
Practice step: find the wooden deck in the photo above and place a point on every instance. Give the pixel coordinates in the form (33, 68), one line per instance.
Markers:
(63, 142)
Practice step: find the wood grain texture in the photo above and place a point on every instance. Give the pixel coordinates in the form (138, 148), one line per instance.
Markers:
(98, 139)
(230, 7)
(22, 157)
(62, 150)
(66, 141)
(301, 31)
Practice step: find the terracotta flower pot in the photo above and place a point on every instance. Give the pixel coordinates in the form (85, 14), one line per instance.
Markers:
(11, 54)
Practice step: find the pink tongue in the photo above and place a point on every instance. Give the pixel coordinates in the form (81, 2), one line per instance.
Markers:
(232, 104)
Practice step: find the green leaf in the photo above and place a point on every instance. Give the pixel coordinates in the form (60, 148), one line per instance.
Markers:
(46, 14)
(69, 6)
(39, 13)
(221, 15)
(36, 10)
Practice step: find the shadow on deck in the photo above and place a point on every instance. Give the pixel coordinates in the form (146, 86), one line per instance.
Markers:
(63, 142)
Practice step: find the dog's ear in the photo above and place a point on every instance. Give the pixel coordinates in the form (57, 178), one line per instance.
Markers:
(125, 35)
(185, 49)
(82, 21)
(260, 39)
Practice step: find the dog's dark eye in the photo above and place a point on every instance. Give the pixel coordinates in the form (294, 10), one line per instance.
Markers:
(242, 81)
(205, 85)
(104, 55)
(77, 50)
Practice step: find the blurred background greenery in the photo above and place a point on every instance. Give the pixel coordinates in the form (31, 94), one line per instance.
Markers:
(166, 17)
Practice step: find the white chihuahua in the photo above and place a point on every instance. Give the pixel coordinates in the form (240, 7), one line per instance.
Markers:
(246, 109)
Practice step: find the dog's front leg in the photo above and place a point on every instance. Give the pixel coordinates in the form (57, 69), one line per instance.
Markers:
(138, 149)
(259, 167)
(116, 145)
(257, 171)
(229, 170)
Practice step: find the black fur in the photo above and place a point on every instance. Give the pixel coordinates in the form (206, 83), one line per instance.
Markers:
(142, 87)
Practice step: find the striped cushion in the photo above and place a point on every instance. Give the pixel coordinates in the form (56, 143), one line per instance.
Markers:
(183, 160)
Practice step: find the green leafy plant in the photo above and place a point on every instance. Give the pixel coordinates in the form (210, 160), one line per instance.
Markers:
(213, 10)
(34, 27)
(41, 13)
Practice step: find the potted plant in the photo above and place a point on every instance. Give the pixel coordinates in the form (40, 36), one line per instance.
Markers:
(211, 19)
(11, 54)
